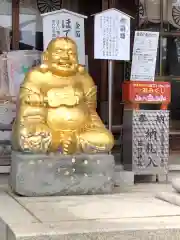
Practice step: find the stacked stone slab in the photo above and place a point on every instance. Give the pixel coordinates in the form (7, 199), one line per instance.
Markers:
(55, 174)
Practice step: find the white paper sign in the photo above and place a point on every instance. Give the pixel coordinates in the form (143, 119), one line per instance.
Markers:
(64, 23)
(144, 56)
(112, 35)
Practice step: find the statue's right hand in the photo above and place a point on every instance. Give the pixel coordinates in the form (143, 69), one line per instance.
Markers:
(35, 138)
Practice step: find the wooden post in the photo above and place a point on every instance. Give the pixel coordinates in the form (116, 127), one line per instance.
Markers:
(104, 64)
(104, 71)
(15, 24)
(112, 3)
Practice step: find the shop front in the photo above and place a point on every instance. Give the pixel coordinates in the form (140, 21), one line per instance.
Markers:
(22, 29)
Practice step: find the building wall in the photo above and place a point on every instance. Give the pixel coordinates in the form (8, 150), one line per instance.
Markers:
(30, 20)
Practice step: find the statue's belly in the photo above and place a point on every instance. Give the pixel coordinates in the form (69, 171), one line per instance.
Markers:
(64, 118)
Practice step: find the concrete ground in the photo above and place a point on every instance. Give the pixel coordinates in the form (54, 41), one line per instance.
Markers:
(131, 212)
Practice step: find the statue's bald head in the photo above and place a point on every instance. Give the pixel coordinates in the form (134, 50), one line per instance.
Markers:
(61, 56)
(62, 43)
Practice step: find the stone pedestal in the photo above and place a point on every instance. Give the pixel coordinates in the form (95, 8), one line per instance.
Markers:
(55, 174)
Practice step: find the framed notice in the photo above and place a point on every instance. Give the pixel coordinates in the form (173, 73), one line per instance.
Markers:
(112, 35)
(144, 56)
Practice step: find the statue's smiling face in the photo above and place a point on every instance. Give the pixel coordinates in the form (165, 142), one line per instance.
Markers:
(62, 56)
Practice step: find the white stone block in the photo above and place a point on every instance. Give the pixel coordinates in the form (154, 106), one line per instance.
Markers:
(123, 178)
(55, 174)
(163, 178)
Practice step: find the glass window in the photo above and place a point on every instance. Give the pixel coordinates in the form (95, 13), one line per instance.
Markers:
(5, 24)
(30, 25)
(166, 20)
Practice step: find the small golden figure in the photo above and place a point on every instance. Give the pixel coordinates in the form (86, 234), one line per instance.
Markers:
(57, 106)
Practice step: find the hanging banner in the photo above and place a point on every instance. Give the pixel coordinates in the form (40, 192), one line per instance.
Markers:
(144, 56)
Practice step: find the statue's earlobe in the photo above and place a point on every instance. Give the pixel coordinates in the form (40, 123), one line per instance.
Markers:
(44, 60)
(45, 57)
(81, 69)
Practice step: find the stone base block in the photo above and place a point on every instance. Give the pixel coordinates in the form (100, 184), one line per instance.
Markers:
(162, 178)
(124, 178)
(54, 174)
(176, 184)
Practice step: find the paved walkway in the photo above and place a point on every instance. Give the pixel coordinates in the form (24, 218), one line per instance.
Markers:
(133, 214)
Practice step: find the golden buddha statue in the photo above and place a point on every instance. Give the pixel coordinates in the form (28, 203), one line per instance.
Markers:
(56, 109)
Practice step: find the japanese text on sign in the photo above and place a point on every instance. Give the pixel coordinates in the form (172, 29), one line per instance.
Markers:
(65, 24)
(78, 30)
(65, 27)
(112, 35)
(152, 140)
(159, 92)
(144, 56)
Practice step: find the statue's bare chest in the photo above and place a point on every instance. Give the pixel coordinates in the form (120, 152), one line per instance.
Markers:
(57, 87)
(58, 83)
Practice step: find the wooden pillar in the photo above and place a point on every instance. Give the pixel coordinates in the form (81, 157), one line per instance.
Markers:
(15, 24)
(72, 5)
(104, 66)
(112, 3)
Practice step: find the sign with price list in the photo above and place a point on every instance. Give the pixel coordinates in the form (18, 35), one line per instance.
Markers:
(64, 23)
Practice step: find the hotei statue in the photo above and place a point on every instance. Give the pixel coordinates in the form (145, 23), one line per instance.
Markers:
(57, 106)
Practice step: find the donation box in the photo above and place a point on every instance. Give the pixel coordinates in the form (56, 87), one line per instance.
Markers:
(146, 129)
